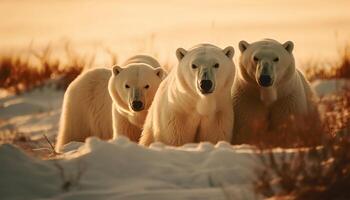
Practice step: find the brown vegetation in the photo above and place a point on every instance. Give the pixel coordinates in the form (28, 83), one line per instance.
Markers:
(340, 69)
(23, 71)
(23, 141)
(317, 172)
(321, 172)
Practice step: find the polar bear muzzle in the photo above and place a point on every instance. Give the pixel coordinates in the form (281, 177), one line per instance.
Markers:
(136, 101)
(206, 80)
(265, 73)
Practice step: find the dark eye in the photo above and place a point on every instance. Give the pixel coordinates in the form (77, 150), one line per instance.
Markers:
(216, 65)
(276, 59)
(194, 66)
(256, 58)
(127, 86)
(147, 86)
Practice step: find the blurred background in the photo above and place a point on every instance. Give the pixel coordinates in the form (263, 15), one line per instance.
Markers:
(318, 28)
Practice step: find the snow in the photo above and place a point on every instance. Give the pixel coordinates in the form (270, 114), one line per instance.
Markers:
(120, 169)
(33, 113)
(332, 86)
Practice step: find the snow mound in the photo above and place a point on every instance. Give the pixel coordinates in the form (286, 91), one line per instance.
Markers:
(121, 169)
(23, 177)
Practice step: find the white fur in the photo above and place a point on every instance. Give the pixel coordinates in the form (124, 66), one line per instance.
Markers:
(268, 95)
(260, 109)
(143, 59)
(88, 107)
(180, 113)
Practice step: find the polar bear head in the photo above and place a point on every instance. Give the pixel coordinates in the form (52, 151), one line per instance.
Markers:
(205, 69)
(266, 62)
(133, 88)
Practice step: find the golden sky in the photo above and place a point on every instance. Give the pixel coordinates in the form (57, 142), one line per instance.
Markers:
(318, 28)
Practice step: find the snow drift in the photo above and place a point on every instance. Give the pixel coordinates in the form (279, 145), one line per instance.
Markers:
(121, 169)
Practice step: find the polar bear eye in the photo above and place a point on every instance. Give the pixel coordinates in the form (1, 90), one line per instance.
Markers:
(276, 59)
(256, 58)
(194, 66)
(146, 87)
(127, 86)
(216, 65)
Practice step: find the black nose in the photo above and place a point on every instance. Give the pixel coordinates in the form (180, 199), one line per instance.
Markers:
(206, 86)
(265, 80)
(137, 105)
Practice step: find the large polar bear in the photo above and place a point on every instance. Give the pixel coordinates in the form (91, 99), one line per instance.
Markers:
(193, 103)
(105, 103)
(269, 91)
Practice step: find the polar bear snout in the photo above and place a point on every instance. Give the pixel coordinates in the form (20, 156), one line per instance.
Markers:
(206, 86)
(136, 102)
(265, 80)
(206, 81)
(137, 105)
(265, 74)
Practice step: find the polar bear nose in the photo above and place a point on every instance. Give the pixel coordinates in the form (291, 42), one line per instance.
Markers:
(265, 80)
(206, 86)
(137, 105)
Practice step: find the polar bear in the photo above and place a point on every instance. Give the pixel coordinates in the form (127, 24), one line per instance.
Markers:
(106, 103)
(193, 103)
(269, 90)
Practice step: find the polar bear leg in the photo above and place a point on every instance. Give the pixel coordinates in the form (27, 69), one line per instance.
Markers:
(177, 131)
(287, 111)
(217, 127)
(122, 127)
(250, 119)
(146, 137)
(73, 126)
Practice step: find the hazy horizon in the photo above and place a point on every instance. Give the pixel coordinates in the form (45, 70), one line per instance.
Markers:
(318, 28)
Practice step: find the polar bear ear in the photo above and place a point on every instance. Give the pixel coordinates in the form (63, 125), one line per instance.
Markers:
(229, 52)
(180, 53)
(289, 46)
(243, 45)
(160, 72)
(116, 70)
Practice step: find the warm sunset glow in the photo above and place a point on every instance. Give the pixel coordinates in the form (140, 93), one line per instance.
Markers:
(318, 28)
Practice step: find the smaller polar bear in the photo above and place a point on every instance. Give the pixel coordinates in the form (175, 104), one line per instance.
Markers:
(193, 103)
(106, 103)
(269, 90)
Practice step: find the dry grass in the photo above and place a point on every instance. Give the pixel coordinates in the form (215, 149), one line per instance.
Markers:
(317, 172)
(340, 69)
(23, 141)
(23, 71)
